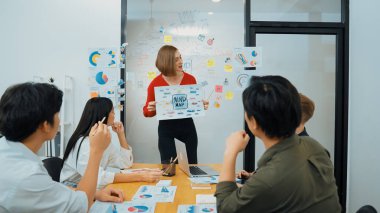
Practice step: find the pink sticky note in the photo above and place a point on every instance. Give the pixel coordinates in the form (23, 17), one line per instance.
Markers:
(219, 88)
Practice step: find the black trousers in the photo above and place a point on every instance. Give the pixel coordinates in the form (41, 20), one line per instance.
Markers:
(182, 129)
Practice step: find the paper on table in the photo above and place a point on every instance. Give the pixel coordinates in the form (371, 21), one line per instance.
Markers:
(205, 198)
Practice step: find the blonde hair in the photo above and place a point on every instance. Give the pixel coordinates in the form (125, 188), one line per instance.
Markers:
(165, 61)
(307, 108)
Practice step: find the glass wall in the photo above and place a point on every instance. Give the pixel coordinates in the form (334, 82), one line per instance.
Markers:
(296, 10)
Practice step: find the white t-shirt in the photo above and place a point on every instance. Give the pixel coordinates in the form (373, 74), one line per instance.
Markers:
(112, 157)
(26, 186)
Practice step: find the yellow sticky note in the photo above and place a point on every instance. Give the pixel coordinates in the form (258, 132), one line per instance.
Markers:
(151, 75)
(228, 67)
(211, 62)
(229, 95)
(168, 39)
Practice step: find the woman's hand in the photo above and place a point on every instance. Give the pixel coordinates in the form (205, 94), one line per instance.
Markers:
(118, 127)
(151, 106)
(151, 176)
(205, 104)
(109, 195)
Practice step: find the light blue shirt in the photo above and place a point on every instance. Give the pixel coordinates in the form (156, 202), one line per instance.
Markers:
(25, 185)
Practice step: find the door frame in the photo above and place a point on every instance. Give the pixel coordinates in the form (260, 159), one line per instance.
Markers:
(340, 30)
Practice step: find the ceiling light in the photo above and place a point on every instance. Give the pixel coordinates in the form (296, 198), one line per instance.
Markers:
(215, 1)
(210, 13)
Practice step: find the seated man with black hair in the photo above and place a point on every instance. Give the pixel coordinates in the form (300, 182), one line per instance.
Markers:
(307, 111)
(294, 174)
(28, 118)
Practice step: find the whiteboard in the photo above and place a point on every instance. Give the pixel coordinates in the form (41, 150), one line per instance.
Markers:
(205, 43)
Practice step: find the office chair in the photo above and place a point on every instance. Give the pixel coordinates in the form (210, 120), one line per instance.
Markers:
(367, 209)
(54, 166)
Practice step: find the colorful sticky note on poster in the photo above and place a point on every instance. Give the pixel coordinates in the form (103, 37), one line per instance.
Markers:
(218, 88)
(229, 95)
(228, 67)
(151, 75)
(168, 39)
(211, 62)
(216, 104)
(94, 94)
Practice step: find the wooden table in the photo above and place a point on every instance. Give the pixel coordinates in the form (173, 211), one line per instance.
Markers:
(184, 194)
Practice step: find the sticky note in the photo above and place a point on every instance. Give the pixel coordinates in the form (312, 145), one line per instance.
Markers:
(151, 75)
(211, 62)
(94, 94)
(168, 39)
(218, 88)
(229, 95)
(228, 67)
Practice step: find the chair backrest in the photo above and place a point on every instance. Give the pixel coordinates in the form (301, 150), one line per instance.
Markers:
(54, 166)
(367, 209)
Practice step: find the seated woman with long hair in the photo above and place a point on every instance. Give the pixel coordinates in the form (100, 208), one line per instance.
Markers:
(78, 150)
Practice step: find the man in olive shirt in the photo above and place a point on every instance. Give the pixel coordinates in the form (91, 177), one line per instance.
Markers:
(295, 173)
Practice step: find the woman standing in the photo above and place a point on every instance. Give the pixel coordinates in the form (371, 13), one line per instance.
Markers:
(169, 63)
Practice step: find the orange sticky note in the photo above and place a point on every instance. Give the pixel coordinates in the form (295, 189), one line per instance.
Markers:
(94, 94)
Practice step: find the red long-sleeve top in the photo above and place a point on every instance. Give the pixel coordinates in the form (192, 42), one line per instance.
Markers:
(158, 82)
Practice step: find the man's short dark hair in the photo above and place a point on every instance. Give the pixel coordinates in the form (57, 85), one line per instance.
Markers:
(23, 107)
(274, 103)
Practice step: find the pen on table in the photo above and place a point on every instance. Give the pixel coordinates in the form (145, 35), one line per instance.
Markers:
(104, 118)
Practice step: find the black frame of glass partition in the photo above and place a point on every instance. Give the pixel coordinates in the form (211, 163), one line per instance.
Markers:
(123, 28)
(340, 30)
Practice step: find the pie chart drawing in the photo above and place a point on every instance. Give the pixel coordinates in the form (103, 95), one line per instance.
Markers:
(94, 56)
(191, 209)
(207, 210)
(138, 209)
(111, 53)
(254, 53)
(101, 78)
(145, 196)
